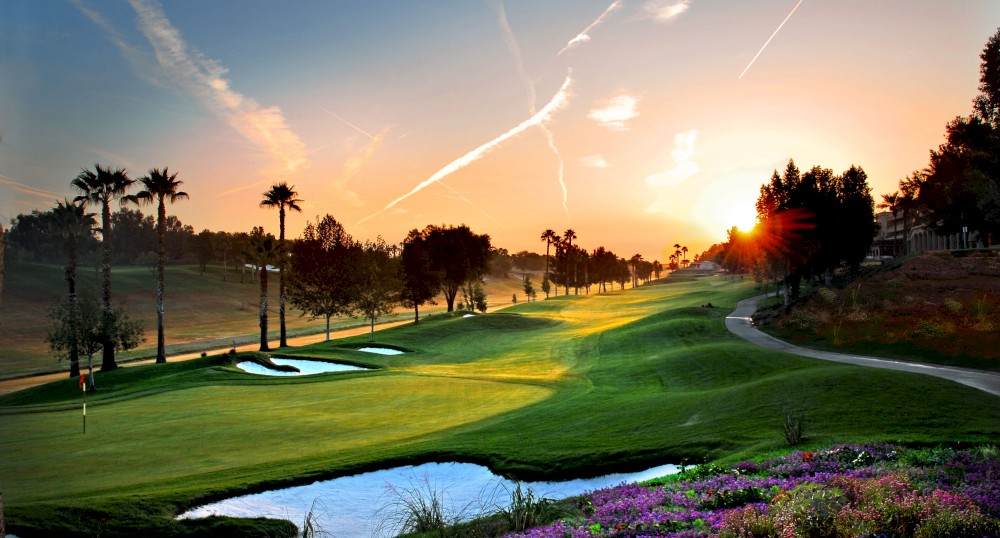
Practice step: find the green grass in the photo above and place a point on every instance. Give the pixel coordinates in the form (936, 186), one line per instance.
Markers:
(568, 386)
(202, 311)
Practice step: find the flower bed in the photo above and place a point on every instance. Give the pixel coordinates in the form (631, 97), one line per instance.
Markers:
(871, 490)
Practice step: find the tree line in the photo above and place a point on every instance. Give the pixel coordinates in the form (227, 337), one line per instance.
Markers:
(325, 273)
(959, 190)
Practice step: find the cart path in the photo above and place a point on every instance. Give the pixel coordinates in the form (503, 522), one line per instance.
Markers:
(738, 323)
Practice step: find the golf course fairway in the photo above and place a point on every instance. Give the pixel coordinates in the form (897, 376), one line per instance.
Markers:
(566, 387)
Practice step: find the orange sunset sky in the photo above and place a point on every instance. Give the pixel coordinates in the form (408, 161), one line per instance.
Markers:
(639, 124)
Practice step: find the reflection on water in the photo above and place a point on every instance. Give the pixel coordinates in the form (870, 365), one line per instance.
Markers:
(363, 505)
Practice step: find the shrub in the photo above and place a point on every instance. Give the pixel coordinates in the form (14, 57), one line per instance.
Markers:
(952, 306)
(928, 329)
(801, 320)
(809, 510)
(749, 522)
(793, 425)
(827, 295)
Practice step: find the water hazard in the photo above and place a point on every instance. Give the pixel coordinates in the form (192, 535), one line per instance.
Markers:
(365, 505)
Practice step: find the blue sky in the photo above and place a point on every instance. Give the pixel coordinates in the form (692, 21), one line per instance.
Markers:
(359, 104)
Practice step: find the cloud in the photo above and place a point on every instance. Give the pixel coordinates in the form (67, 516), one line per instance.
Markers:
(179, 64)
(357, 161)
(666, 11)
(22, 188)
(584, 36)
(595, 161)
(684, 168)
(614, 112)
(558, 101)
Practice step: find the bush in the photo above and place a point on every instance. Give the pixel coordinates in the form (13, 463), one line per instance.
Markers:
(809, 510)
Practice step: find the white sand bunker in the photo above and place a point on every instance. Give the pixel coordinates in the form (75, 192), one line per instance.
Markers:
(381, 350)
(469, 316)
(305, 367)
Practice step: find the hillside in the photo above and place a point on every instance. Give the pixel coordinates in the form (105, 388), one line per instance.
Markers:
(202, 311)
(937, 307)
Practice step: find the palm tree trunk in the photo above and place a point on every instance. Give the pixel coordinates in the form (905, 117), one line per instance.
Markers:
(546, 277)
(281, 277)
(161, 231)
(74, 350)
(108, 359)
(263, 307)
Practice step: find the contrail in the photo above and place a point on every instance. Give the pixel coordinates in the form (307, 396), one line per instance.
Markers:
(558, 101)
(769, 39)
(351, 125)
(515, 51)
(584, 36)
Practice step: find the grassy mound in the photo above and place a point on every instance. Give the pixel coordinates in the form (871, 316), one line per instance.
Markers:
(551, 389)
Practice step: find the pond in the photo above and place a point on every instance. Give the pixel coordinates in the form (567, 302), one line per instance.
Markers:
(367, 504)
(306, 367)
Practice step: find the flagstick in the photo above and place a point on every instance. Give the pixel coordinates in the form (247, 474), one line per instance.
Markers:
(85, 407)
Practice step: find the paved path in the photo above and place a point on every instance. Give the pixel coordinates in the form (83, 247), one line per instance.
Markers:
(738, 322)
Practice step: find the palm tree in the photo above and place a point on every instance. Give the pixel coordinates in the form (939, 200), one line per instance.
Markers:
(71, 221)
(568, 236)
(891, 201)
(264, 252)
(159, 187)
(684, 250)
(549, 236)
(101, 186)
(281, 196)
(635, 260)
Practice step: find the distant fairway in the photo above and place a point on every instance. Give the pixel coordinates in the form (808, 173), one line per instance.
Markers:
(202, 311)
(568, 386)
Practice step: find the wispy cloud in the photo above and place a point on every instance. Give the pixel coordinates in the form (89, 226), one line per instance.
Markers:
(558, 101)
(747, 68)
(203, 78)
(614, 112)
(584, 36)
(22, 188)
(666, 11)
(684, 168)
(515, 51)
(595, 161)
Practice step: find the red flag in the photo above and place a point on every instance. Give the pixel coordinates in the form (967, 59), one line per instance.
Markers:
(82, 380)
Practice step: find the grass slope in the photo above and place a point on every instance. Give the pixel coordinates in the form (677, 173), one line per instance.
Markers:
(202, 311)
(567, 386)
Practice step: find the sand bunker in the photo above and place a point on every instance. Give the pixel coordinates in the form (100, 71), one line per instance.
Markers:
(381, 350)
(305, 367)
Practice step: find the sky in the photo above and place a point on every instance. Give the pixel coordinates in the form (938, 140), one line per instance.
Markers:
(637, 123)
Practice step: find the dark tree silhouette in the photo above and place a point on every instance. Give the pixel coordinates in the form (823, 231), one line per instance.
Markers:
(418, 278)
(282, 197)
(322, 279)
(458, 255)
(549, 236)
(159, 187)
(378, 286)
(102, 186)
(71, 221)
(265, 251)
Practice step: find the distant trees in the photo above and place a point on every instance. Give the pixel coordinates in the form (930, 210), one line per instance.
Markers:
(265, 250)
(961, 186)
(282, 197)
(419, 280)
(813, 222)
(159, 187)
(377, 291)
(549, 236)
(84, 326)
(70, 221)
(322, 279)
(102, 186)
(458, 255)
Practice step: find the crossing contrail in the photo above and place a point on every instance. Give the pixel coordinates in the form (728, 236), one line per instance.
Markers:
(515, 51)
(769, 39)
(557, 102)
